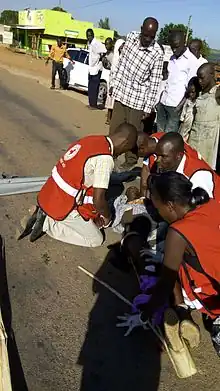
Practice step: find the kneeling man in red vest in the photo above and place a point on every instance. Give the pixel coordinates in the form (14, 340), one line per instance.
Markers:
(72, 206)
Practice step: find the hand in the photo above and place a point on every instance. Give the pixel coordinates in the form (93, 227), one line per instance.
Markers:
(110, 91)
(47, 61)
(99, 222)
(107, 221)
(146, 115)
(131, 321)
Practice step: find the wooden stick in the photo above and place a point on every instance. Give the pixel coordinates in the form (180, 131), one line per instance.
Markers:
(156, 331)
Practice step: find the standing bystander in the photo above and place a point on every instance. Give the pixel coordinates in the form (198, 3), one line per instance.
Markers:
(195, 47)
(182, 67)
(136, 80)
(96, 50)
(204, 135)
(57, 54)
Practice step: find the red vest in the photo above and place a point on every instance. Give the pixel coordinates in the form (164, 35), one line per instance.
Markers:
(65, 189)
(200, 276)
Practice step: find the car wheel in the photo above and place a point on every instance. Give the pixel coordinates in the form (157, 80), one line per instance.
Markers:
(102, 95)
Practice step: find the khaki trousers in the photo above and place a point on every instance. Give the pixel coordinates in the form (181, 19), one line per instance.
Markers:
(122, 113)
(74, 230)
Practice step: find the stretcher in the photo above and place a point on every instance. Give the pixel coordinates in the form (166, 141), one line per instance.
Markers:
(11, 185)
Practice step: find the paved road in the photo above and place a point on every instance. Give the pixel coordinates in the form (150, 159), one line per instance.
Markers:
(64, 324)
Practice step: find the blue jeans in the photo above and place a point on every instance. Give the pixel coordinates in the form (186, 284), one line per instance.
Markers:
(168, 120)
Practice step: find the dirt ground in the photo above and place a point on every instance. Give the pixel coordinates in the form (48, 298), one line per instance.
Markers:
(64, 323)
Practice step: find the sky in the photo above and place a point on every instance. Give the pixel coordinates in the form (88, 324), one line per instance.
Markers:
(127, 15)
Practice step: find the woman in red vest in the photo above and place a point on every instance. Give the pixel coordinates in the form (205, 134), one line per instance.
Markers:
(192, 249)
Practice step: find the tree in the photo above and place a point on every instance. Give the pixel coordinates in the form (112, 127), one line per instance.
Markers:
(163, 36)
(104, 24)
(60, 9)
(9, 17)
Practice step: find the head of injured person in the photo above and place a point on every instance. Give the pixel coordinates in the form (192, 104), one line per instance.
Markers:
(124, 139)
(169, 152)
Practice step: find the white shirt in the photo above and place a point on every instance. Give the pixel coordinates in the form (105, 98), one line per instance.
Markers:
(201, 178)
(201, 60)
(180, 71)
(96, 48)
(98, 169)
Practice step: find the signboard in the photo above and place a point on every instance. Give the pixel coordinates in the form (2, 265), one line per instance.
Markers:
(70, 33)
(31, 18)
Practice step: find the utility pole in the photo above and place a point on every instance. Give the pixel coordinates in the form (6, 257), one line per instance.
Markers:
(188, 28)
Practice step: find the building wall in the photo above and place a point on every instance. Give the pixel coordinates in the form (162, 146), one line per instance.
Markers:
(61, 24)
(6, 36)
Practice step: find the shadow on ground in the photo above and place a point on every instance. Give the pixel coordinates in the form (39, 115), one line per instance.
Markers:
(110, 361)
(17, 374)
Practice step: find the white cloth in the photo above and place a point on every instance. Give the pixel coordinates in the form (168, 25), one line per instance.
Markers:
(74, 230)
(96, 48)
(180, 71)
(160, 91)
(186, 118)
(201, 60)
(110, 100)
(121, 206)
(201, 178)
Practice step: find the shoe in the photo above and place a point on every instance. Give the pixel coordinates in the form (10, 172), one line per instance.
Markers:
(37, 230)
(172, 328)
(29, 225)
(52, 87)
(189, 330)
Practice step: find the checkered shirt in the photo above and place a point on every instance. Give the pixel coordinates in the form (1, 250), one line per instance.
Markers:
(138, 74)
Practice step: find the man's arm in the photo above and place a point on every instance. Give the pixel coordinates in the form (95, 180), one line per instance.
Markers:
(145, 172)
(104, 165)
(175, 247)
(51, 54)
(155, 80)
(100, 203)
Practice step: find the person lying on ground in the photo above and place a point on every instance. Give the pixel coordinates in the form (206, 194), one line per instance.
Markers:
(72, 206)
(126, 206)
(170, 153)
(192, 251)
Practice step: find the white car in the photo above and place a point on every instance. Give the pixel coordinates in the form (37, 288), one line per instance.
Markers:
(76, 73)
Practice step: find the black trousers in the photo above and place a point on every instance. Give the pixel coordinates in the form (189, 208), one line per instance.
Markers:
(57, 67)
(93, 89)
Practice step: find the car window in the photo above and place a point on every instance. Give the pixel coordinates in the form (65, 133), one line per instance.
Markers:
(74, 54)
(82, 56)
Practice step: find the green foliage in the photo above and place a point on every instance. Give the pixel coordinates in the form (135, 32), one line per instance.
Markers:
(59, 9)
(165, 31)
(9, 17)
(104, 24)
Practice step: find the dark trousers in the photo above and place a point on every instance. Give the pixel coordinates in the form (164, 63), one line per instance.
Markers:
(120, 114)
(93, 89)
(168, 119)
(57, 67)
